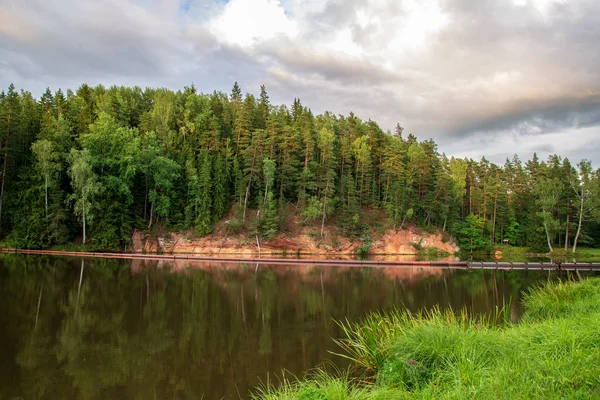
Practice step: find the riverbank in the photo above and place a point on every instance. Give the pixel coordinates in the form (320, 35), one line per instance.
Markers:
(384, 261)
(307, 241)
(508, 253)
(553, 352)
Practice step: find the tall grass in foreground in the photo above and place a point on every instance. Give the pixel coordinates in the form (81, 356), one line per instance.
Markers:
(553, 353)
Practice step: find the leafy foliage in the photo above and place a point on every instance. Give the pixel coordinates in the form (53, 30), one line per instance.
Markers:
(470, 234)
(110, 160)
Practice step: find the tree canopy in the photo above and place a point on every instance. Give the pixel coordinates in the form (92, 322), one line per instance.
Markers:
(96, 163)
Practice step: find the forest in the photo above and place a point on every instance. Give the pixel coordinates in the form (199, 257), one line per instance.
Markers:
(90, 166)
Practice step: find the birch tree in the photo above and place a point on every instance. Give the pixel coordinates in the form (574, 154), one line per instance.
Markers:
(586, 192)
(547, 192)
(85, 186)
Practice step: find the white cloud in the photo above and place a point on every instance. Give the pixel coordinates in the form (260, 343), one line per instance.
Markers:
(543, 7)
(421, 20)
(469, 74)
(246, 22)
(343, 43)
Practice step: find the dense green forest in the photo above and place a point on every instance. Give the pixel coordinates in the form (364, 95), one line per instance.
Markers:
(92, 165)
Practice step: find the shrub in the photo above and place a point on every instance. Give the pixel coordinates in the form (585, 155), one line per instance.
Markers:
(470, 234)
(364, 249)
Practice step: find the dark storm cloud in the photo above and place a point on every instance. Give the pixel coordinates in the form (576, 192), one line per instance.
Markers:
(552, 50)
(536, 118)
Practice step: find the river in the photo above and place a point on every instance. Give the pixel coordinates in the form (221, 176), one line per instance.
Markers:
(133, 329)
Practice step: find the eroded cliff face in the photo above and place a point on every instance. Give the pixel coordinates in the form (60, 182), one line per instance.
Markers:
(404, 242)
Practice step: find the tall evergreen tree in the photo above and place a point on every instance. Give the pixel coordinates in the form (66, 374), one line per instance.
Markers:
(127, 156)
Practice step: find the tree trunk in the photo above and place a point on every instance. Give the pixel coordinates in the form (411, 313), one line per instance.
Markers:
(146, 200)
(387, 189)
(493, 236)
(306, 155)
(246, 198)
(265, 196)
(83, 221)
(484, 200)
(579, 224)
(151, 213)
(548, 237)
(379, 185)
(567, 233)
(324, 210)
(4, 171)
(281, 189)
(558, 218)
(2, 188)
(470, 194)
(46, 197)
(362, 179)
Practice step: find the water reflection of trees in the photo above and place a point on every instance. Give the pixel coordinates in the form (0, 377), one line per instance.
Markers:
(141, 331)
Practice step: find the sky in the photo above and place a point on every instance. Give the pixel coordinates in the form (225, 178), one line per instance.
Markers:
(481, 77)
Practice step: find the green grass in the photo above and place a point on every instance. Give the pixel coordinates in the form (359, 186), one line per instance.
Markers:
(552, 353)
(587, 252)
(71, 247)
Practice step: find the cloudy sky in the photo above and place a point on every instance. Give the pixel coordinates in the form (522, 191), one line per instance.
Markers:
(480, 77)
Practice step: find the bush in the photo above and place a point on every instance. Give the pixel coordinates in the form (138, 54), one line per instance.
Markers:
(445, 237)
(351, 225)
(470, 234)
(364, 249)
(234, 225)
(418, 245)
(313, 210)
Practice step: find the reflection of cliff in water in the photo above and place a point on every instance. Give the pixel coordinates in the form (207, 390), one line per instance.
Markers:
(133, 329)
(304, 273)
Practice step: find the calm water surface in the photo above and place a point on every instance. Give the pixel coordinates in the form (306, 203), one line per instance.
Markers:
(122, 329)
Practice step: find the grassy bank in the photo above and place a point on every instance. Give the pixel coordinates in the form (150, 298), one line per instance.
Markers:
(552, 353)
(516, 253)
(588, 252)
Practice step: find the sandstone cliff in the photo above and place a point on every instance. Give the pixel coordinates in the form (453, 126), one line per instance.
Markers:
(404, 242)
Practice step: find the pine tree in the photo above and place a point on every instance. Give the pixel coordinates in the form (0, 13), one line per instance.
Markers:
(204, 218)
(10, 118)
(127, 146)
(194, 192)
(327, 175)
(220, 195)
(269, 222)
(263, 109)
(470, 234)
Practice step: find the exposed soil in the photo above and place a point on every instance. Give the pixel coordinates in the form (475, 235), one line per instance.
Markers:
(306, 241)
